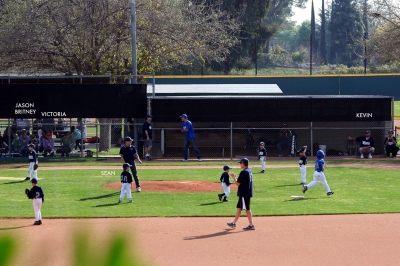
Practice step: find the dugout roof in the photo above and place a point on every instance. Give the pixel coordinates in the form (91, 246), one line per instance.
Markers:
(307, 108)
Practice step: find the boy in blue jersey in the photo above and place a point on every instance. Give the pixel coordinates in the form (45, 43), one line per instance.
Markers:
(33, 159)
(190, 138)
(245, 192)
(319, 176)
(128, 154)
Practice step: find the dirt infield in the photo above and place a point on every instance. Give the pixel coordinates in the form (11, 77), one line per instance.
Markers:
(174, 186)
(282, 240)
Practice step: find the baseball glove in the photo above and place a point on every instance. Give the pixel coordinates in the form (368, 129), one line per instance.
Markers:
(27, 192)
(35, 166)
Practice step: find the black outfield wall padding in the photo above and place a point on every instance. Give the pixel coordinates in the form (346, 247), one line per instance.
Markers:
(73, 100)
(274, 108)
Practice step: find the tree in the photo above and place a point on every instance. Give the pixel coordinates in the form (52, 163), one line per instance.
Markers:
(94, 36)
(345, 26)
(313, 37)
(384, 43)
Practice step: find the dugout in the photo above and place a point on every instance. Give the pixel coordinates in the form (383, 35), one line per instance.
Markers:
(229, 126)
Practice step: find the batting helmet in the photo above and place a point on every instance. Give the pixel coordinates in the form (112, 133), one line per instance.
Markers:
(262, 143)
(320, 154)
(127, 138)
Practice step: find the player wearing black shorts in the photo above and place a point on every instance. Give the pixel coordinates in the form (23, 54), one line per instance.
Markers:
(128, 154)
(245, 192)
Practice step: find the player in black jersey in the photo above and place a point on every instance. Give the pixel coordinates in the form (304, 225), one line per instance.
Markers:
(262, 154)
(37, 195)
(33, 159)
(126, 183)
(303, 163)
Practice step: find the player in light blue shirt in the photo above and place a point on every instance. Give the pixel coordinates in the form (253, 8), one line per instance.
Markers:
(319, 176)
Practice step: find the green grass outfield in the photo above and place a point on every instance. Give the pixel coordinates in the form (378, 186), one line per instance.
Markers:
(80, 193)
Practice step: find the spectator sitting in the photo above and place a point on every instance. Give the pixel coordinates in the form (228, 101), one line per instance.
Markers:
(48, 146)
(34, 141)
(284, 139)
(391, 145)
(24, 123)
(23, 143)
(367, 144)
(48, 124)
(67, 143)
(41, 139)
(15, 144)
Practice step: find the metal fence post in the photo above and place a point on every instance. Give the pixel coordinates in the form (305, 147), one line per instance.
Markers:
(311, 139)
(231, 144)
(97, 141)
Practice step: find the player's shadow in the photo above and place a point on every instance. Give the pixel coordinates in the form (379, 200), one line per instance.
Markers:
(301, 199)
(14, 182)
(223, 233)
(101, 196)
(13, 228)
(211, 203)
(106, 205)
(290, 185)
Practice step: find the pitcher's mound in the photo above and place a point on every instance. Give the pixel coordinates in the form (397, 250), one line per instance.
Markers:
(174, 186)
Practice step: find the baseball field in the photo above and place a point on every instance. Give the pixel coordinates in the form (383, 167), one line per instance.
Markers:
(177, 219)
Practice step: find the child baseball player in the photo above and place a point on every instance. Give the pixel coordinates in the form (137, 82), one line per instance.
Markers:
(319, 176)
(126, 183)
(37, 195)
(225, 183)
(33, 162)
(262, 153)
(303, 163)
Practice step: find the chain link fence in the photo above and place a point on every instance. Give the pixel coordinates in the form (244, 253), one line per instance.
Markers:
(104, 137)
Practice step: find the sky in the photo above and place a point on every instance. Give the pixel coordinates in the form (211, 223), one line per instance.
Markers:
(301, 15)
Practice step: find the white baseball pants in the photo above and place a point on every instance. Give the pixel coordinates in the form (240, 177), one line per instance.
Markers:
(125, 189)
(37, 205)
(226, 188)
(319, 177)
(303, 173)
(262, 161)
(31, 171)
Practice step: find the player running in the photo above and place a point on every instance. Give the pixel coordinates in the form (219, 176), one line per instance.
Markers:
(319, 176)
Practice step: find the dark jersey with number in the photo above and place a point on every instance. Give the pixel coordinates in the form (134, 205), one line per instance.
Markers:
(262, 152)
(128, 152)
(147, 126)
(303, 160)
(32, 155)
(36, 192)
(245, 179)
(126, 177)
(225, 178)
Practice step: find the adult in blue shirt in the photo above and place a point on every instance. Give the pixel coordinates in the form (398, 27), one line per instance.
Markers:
(190, 138)
(128, 155)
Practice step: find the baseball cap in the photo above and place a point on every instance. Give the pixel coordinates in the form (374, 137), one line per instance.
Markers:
(245, 161)
(31, 145)
(127, 138)
(147, 116)
(391, 132)
(262, 143)
(367, 132)
(34, 180)
(184, 116)
(126, 165)
(226, 167)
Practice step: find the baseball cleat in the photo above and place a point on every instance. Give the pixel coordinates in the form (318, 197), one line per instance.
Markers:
(231, 225)
(219, 197)
(262, 172)
(130, 201)
(330, 193)
(200, 160)
(370, 156)
(138, 189)
(362, 156)
(40, 221)
(249, 227)
(302, 183)
(27, 178)
(305, 189)
(225, 200)
(120, 201)
(36, 223)
(184, 160)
